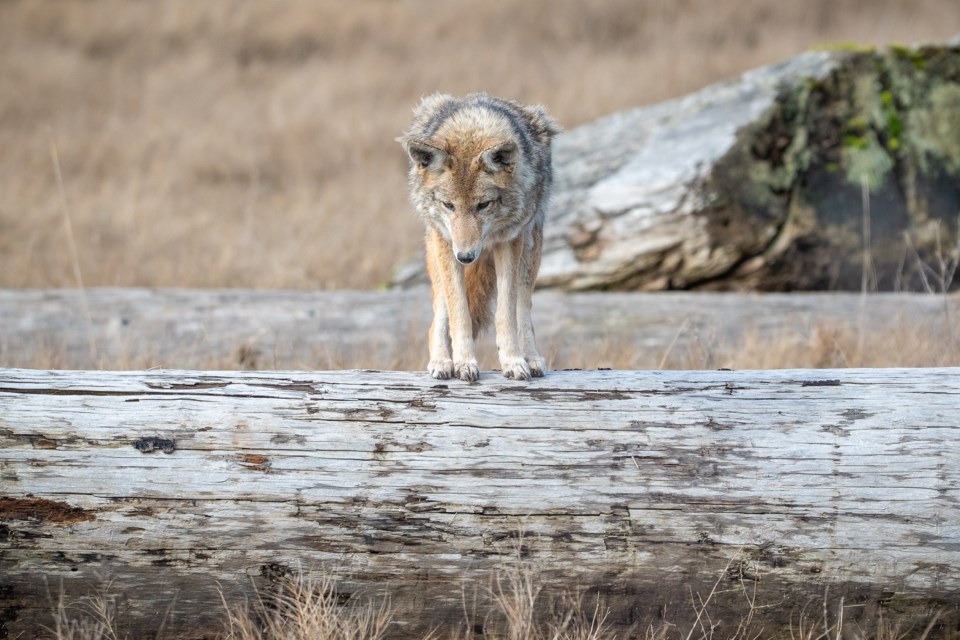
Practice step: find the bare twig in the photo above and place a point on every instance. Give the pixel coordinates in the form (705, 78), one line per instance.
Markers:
(72, 246)
(666, 353)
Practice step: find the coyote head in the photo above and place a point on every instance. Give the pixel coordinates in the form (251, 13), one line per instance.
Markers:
(466, 187)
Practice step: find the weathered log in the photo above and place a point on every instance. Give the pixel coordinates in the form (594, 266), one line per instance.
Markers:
(638, 484)
(229, 329)
(831, 170)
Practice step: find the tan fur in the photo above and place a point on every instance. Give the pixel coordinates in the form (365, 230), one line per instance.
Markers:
(481, 292)
(480, 176)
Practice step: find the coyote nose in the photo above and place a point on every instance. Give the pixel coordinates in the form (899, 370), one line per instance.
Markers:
(466, 257)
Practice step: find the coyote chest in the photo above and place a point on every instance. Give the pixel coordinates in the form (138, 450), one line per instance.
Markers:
(480, 177)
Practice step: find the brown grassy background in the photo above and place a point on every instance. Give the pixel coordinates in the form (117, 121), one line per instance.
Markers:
(250, 144)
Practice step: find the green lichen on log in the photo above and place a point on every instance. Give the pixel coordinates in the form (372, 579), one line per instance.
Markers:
(875, 145)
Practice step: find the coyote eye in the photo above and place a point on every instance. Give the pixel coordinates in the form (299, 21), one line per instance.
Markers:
(483, 205)
(448, 205)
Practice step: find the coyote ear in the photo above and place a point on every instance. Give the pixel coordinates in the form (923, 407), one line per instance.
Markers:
(426, 156)
(542, 123)
(500, 157)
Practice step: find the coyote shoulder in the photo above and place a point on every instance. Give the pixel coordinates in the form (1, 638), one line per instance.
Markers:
(480, 177)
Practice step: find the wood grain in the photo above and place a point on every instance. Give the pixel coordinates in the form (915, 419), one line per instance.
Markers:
(638, 484)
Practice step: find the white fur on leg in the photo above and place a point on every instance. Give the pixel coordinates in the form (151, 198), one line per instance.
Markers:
(528, 341)
(440, 365)
(467, 370)
(515, 368)
(507, 260)
(461, 327)
(538, 366)
(440, 368)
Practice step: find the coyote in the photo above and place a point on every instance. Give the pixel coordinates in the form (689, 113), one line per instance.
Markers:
(480, 176)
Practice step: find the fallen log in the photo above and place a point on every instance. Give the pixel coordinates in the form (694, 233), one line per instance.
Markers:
(235, 328)
(640, 485)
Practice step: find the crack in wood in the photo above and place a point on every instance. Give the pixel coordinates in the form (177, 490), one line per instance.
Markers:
(186, 386)
(820, 383)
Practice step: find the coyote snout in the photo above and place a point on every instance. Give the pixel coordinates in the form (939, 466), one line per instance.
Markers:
(466, 257)
(466, 236)
(480, 176)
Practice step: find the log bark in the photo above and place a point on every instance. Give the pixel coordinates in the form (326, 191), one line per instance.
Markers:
(640, 485)
(231, 329)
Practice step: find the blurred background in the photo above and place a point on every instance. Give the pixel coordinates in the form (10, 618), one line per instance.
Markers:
(233, 143)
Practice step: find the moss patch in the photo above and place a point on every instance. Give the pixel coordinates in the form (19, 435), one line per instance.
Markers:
(867, 163)
(935, 129)
(885, 120)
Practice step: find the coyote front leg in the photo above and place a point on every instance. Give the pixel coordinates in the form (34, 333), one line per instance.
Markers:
(452, 325)
(529, 266)
(441, 364)
(507, 257)
(528, 341)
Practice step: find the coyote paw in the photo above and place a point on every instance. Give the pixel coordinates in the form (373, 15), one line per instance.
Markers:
(441, 368)
(515, 368)
(468, 371)
(538, 366)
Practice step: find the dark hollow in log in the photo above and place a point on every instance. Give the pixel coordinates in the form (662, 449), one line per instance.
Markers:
(639, 485)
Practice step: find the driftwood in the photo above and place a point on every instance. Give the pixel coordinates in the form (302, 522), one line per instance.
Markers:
(640, 485)
(229, 329)
(831, 169)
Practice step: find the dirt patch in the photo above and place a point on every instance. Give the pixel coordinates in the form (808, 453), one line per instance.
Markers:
(41, 509)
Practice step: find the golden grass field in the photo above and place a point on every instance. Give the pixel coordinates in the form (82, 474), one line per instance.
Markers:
(232, 143)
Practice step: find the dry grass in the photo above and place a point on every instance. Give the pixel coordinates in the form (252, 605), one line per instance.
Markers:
(900, 344)
(94, 617)
(234, 143)
(305, 608)
(299, 607)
